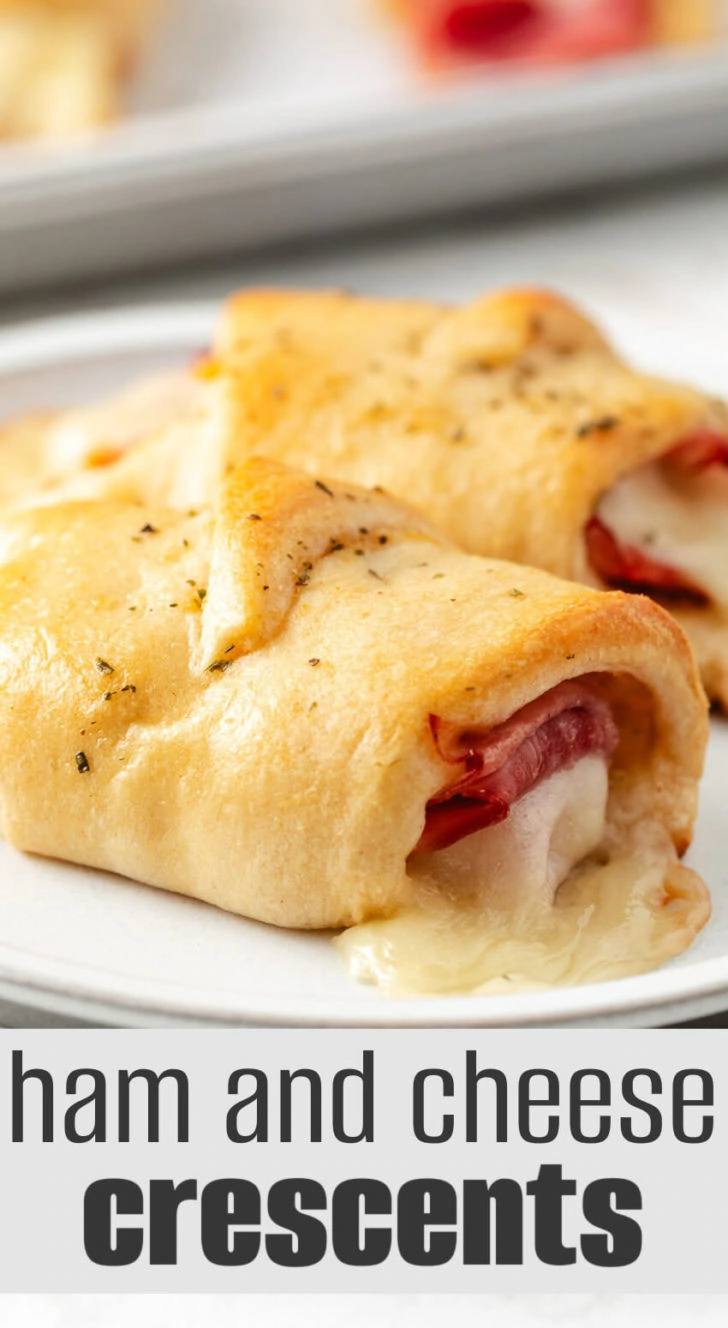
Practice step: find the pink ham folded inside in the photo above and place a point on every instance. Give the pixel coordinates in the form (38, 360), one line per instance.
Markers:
(623, 566)
(550, 734)
(699, 452)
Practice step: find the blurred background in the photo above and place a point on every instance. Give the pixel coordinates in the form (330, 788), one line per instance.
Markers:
(140, 134)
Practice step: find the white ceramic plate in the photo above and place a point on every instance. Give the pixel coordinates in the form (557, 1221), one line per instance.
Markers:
(82, 944)
(257, 120)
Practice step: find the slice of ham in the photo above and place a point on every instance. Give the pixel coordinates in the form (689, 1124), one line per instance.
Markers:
(699, 452)
(550, 734)
(462, 32)
(625, 567)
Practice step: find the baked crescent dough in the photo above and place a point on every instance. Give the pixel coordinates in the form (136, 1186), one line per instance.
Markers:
(41, 453)
(267, 706)
(506, 421)
(510, 423)
(62, 62)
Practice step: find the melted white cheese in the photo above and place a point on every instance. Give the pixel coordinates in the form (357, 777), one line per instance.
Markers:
(543, 899)
(679, 520)
(525, 858)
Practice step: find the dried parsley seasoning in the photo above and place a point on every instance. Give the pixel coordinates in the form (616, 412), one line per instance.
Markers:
(517, 594)
(219, 666)
(253, 516)
(103, 666)
(603, 425)
(149, 529)
(323, 487)
(82, 764)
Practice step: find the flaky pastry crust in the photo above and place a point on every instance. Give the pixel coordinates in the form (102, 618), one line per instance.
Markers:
(504, 422)
(235, 704)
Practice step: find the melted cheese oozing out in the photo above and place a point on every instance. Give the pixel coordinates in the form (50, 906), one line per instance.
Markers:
(679, 520)
(543, 899)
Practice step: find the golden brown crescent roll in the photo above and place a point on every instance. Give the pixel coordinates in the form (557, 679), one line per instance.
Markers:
(509, 423)
(44, 455)
(62, 62)
(308, 707)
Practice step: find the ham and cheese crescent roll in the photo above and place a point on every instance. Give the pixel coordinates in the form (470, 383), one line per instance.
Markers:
(510, 423)
(455, 35)
(63, 63)
(43, 456)
(308, 707)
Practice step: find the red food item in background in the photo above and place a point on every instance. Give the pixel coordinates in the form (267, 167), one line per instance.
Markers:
(625, 567)
(548, 735)
(492, 26)
(465, 32)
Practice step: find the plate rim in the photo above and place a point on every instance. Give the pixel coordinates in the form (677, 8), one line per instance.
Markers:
(58, 985)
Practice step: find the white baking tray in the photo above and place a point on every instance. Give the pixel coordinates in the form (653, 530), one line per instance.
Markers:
(262, 120)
